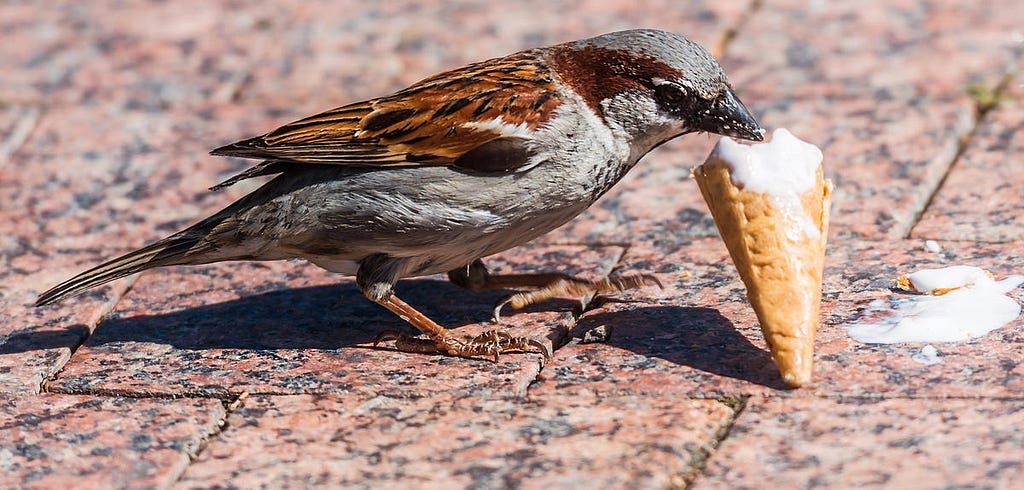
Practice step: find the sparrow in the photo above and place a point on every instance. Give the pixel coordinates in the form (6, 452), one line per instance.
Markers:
(457, 167)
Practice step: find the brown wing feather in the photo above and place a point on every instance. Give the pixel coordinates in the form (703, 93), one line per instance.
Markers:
(424, 124)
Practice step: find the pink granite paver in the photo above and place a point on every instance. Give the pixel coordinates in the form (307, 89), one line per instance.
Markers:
(980, 199)
(61, 441)
(292, 328)
(16, 123)
(107, 110)
(35, 343)
(549, 441)
(865, 443)
(138, 53)
(850, 48)
(700, 338)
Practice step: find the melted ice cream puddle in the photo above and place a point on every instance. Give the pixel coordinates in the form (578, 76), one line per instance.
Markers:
(783, 168)
(959, 303)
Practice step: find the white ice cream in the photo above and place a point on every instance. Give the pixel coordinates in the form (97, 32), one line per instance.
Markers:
(931, 281)
(784, 168)
(977, 306)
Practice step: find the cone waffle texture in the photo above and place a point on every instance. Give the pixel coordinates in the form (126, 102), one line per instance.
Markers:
(779, 261)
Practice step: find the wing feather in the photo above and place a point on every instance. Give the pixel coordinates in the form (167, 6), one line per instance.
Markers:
(437, 121)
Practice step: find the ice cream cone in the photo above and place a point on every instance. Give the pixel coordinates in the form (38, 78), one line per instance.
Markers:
(777, 243)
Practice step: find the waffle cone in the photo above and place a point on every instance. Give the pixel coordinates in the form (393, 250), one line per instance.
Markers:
(781, 265)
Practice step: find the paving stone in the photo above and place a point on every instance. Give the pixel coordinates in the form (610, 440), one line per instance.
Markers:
(81, 190)
(980, 199)
(849, 47)
(1015, 87)
(16, 123)
(700, 338)
(865, 443)
(60, 441)
(552, 441)
(35, 343)
(288, 327)
(137, 53)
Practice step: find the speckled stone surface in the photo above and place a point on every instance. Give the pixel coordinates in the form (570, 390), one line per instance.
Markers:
(108, 110)
(35, 343)
(61, 441)
(548, 441)
(293, 328)
(866, 443)
(980, 199)
(699, 337)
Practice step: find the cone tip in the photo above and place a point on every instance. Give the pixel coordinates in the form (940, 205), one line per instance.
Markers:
(796, 379)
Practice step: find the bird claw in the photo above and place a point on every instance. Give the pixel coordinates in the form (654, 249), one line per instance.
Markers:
(635, 281)
(488, 344)
(496, 314)
(495, 342)
(587, 291)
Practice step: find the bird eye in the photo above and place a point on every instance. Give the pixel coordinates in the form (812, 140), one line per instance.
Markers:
(672, 97)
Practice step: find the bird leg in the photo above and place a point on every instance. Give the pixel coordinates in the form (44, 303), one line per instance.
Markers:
(439, 339)
(542, 286)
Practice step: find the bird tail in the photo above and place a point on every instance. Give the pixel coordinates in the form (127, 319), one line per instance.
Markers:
(176, 249)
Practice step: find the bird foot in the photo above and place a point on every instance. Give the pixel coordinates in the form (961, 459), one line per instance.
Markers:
(584, 289)
(490, 344)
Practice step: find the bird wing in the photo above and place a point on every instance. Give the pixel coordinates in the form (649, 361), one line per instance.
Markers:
(479, 117)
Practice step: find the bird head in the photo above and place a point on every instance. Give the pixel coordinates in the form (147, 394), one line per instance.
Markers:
(654, 86)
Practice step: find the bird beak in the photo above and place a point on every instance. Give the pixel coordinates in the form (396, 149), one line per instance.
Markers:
(729, 117)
